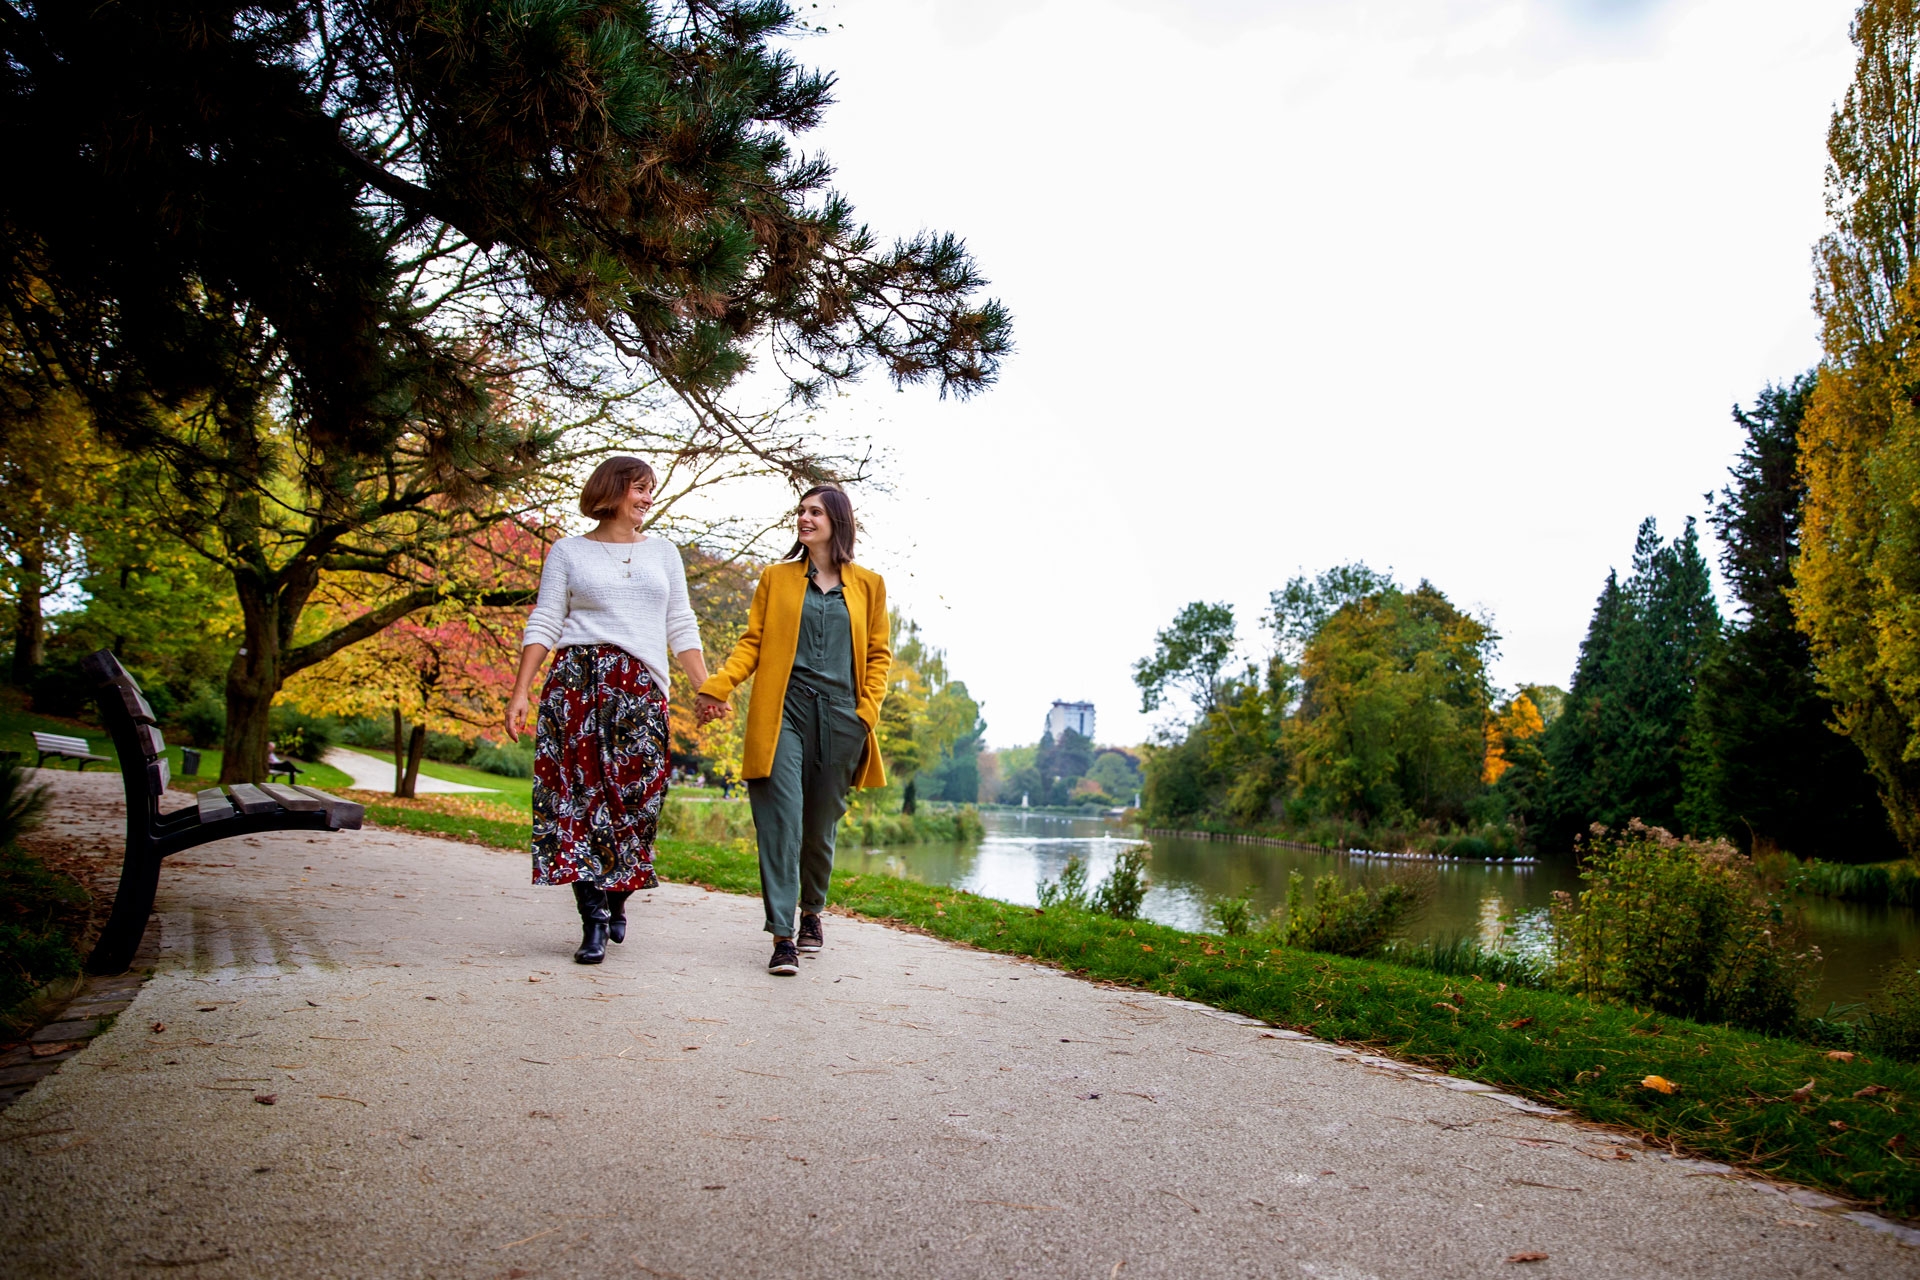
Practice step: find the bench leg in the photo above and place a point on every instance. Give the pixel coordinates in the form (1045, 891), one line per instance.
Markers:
(139, 880)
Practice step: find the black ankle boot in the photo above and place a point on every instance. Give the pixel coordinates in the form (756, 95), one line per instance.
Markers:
(617, 914)
(593, 923)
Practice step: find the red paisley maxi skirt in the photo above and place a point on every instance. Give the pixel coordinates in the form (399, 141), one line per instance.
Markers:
(599, 770)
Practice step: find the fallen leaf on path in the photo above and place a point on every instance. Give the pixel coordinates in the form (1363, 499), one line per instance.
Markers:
(1450, 1008)
(158, 1027)
(58, 1046)
(1516, 1024)
(340, 1097)
(1527, 1257)
(266, 1099)
(1804, 1092)
(1841, 1125)
(1840, 1055)
(1659, 1084)
(1871, 1091)
(1146, 946)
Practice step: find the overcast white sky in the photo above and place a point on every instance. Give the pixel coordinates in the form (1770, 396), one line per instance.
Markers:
(1456, 287)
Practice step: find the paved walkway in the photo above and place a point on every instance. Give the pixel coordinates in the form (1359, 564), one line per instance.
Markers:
(371, 773)
(368, 1054)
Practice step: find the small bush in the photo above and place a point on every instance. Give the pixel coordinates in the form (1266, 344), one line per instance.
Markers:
(1346, 923)
(1070, 890)
(1233, 916)
(448, 748)
(1893, 1015)
(1681, 925)
(366, 731)
(297, 735)
(508, 760)
(203, 718)
(1125, 887)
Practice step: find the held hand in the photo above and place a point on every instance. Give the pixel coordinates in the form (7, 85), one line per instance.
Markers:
(516, 716)
(710, 708)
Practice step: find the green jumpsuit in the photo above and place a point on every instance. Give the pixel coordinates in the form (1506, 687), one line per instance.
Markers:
(797, 806)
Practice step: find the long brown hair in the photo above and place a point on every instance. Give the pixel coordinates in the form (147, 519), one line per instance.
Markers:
(840, 511)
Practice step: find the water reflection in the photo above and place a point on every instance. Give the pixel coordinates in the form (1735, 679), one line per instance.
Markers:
(1477, 900)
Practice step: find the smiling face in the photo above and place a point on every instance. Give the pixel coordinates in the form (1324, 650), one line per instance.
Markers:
(814, 525)
(638, 502)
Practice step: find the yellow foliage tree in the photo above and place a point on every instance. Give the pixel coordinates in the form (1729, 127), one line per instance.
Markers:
(1857, 583)
(1516, 721)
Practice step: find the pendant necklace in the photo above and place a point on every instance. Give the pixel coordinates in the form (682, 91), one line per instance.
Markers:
(625, 573)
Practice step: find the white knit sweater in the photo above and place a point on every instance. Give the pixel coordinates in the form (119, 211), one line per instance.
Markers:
(587, 596)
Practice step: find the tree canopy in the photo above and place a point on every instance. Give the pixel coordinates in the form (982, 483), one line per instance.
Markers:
(353, 272)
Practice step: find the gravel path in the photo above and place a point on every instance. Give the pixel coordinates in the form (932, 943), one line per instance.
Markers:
(451, 1096)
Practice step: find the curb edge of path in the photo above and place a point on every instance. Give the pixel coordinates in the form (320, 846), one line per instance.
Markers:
(100, 999)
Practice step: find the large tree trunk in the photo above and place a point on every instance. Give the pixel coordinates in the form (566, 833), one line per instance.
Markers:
(252, 681)
(29, 624)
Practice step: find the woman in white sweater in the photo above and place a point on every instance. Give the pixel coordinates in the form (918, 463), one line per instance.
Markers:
(612, 604)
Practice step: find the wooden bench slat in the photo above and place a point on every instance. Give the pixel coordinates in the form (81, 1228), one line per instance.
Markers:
(214, 805)
(292, 798)
(151, 743)
(251, 799)
(159, 774)
(61, 740)
(132, 699)
(342, 815)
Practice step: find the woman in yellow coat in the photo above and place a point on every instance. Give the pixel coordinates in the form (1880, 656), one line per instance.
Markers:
(816, 642)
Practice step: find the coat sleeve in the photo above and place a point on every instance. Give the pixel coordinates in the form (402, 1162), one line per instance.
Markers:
(873, 689)
(745, 658)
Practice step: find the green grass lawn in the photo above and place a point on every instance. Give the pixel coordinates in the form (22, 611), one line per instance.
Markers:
(18, 726)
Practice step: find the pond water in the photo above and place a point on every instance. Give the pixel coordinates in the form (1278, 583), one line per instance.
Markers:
(1470, 899)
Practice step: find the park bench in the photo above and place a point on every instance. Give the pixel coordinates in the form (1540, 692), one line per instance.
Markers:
(64, 747)
(239, 810)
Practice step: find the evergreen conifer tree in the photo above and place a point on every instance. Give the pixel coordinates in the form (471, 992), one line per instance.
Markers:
(1618, 751)
(1765, 766)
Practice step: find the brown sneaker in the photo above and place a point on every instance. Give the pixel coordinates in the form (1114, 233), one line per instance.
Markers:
(811, 938)
(786, 961)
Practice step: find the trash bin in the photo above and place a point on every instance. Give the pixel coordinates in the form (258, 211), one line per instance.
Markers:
(190, 760)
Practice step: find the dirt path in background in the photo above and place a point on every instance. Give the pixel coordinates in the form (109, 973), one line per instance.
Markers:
(451, 1096)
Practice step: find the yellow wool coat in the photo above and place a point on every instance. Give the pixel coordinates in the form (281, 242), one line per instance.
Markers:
(773, 637)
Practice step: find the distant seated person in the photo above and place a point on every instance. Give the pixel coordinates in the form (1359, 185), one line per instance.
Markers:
(276, 765)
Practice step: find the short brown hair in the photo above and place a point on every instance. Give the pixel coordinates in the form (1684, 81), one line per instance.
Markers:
(601, 496)
(840, 511)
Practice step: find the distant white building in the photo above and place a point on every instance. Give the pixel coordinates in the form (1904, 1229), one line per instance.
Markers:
(1077, 716)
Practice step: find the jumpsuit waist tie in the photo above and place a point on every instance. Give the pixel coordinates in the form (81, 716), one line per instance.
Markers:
(819, 722)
